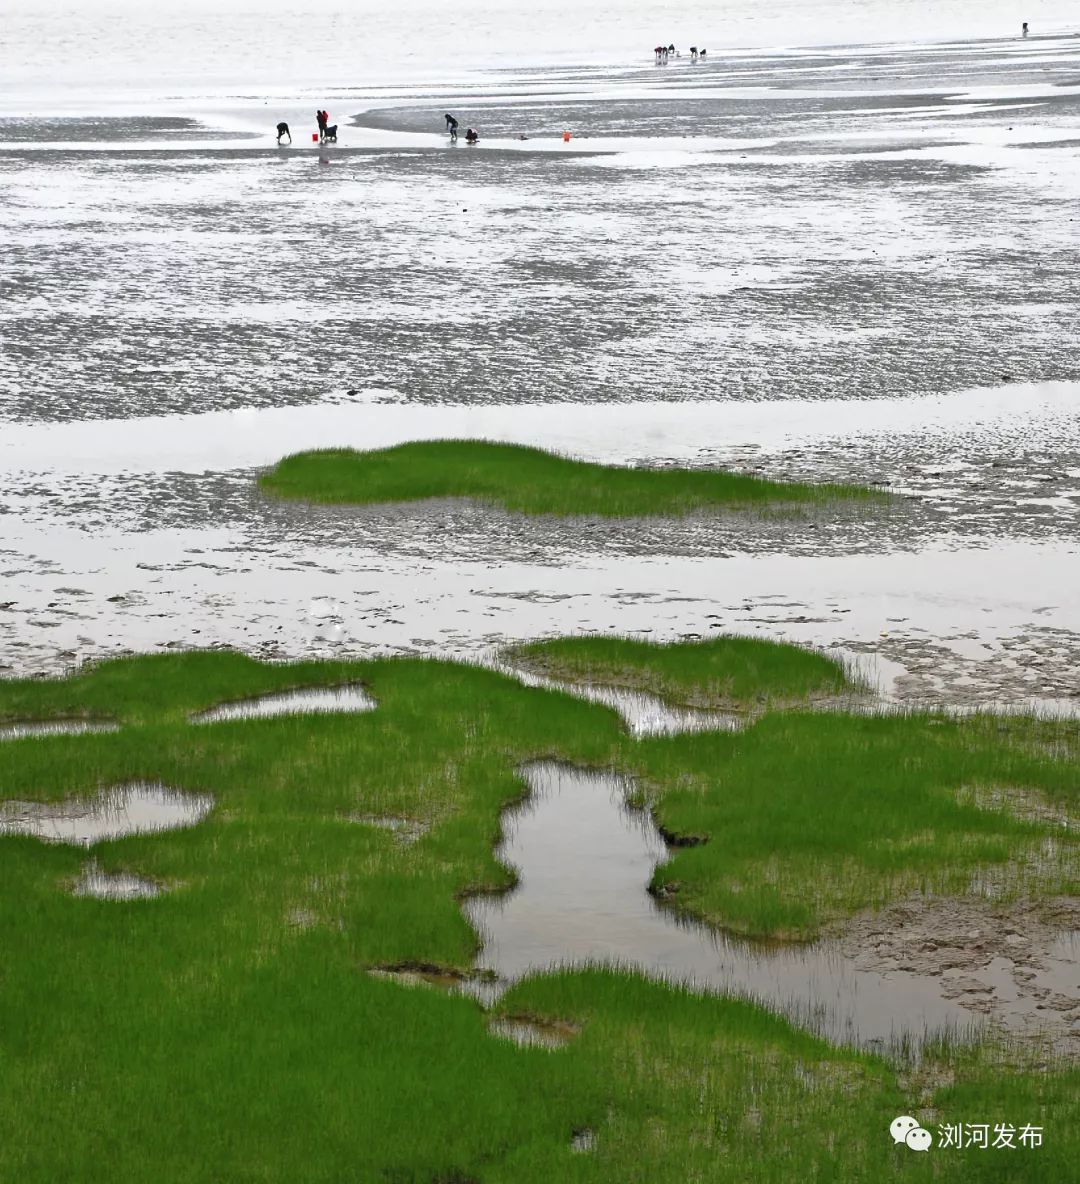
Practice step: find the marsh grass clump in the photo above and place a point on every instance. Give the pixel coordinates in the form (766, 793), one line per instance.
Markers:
(807, 817)
(229, 1028)
(160, 687)
(732, 673)
(529, 481)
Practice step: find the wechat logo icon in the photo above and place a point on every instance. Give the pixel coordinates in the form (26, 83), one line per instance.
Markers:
(906, 1129)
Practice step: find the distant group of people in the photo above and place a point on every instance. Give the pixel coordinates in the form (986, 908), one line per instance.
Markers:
(665, 52)
(327, 130)
(471, 134)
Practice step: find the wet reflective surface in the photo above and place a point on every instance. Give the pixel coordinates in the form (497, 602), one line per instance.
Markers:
(53, 727)
(584, 862)
(138, 808)
(96, 882)
(643, 714)
(311, 701)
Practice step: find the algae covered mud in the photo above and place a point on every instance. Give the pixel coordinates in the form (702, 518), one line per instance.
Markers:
(473, 881)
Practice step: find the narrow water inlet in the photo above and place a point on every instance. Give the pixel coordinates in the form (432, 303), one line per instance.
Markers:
(584, 860)
(138, 808)
(306, 701)
(55, 727)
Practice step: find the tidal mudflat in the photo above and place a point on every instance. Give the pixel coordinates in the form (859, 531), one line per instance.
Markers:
(480, 886)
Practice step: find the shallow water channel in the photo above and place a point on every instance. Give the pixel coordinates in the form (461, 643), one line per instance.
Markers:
(55, 727)
(642, 713)
(584, 860)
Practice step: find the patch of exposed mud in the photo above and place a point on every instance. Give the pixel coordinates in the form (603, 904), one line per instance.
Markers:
(404, 830)
(969, 669)
(1017, 965)
(1030, 805)
(534, 1033)
(430, 974)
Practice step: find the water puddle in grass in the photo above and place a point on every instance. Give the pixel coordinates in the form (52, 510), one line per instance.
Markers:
(643, 714)
(309, 701)
(54, 727)
(138, 808)
(104, 885)
(584, 861)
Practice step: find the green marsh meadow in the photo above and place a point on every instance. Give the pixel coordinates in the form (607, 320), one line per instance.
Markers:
(530, 481)
(229, 1029)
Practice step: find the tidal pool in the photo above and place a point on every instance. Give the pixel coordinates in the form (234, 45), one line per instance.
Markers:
(95, 881)
(137, 808)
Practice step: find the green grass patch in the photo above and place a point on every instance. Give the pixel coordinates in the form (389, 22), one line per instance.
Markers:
(228, 1030)
(733, 673)
(528, 480)
(804, 817)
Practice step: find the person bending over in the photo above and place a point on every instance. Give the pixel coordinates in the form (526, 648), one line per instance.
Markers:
(451, 126)
(283, 130)
(472, 136)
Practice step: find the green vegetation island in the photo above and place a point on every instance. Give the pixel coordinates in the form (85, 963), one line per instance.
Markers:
(530, 481)
(236, 1026)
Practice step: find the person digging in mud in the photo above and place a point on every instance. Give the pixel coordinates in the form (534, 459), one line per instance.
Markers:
(472, 136)
(451, 127)
(283, 130)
